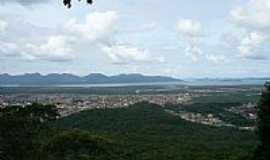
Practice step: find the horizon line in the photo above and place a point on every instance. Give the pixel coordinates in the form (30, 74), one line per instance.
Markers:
(117, 74)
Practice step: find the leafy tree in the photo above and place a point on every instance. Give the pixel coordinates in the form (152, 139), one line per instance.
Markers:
(80, 145)
(69, 2)
(263, 150)
(22, 128)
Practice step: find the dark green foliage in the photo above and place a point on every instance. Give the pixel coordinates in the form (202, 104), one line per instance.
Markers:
(68, 2)
(26, 134)
(149, 133)
(263, 151)
(21, 129)
(80, 145)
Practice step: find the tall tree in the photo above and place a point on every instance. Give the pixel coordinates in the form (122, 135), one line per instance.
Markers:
(263, 150)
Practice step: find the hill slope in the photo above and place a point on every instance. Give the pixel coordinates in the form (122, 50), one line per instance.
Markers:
(150, 133)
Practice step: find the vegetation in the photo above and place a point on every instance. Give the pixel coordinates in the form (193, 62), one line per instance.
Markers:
(69, 2)
(263, 150)
(26, 134)
(23, 129)
(80, 145)
(147, 132)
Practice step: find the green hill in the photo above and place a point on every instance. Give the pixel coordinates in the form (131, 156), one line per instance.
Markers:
(147, 132)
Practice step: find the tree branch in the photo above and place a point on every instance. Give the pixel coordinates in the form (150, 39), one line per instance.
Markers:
(68, 3)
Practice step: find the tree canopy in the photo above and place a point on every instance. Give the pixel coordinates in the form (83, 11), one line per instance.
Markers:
(263, 149)
(68, 3)
(27, 133)
(22, 128)
(80, 145)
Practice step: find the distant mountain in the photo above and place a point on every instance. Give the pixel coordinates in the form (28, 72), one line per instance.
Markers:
(95, 78)
(229, 81)
(130, 78)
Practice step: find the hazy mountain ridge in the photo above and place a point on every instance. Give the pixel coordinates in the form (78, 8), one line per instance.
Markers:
(65, 78)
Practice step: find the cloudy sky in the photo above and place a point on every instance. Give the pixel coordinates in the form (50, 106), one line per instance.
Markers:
(195, 38)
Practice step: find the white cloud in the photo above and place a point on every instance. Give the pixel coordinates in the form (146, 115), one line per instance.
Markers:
(3, 26)
(254, 18)
(97, 26)
(255, 14)
(216, 59)
(41, 45)
(24, 2)
(250, 43)
(189, 28)
(57, 48)
(9, 49)
(193, 52)
(121, 54)
(190, 31)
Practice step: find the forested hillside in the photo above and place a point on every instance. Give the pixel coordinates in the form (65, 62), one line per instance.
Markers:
(147, 132)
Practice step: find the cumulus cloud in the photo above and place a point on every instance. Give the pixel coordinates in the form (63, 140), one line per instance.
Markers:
(190, 31)
(57, 48)
(24, 2)
(247, 45)
(3, 26)
(250, 43)
(122, 54)
(189, 28)
(61, 46)
(254, 18)
(97, 27)
(255, 14)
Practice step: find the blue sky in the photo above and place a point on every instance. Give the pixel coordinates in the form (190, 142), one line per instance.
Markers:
(195, 38)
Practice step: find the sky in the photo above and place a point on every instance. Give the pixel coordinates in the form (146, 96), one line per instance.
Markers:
(178, 38)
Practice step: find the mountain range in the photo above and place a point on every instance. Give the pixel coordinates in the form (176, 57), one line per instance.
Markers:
(65, 78)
